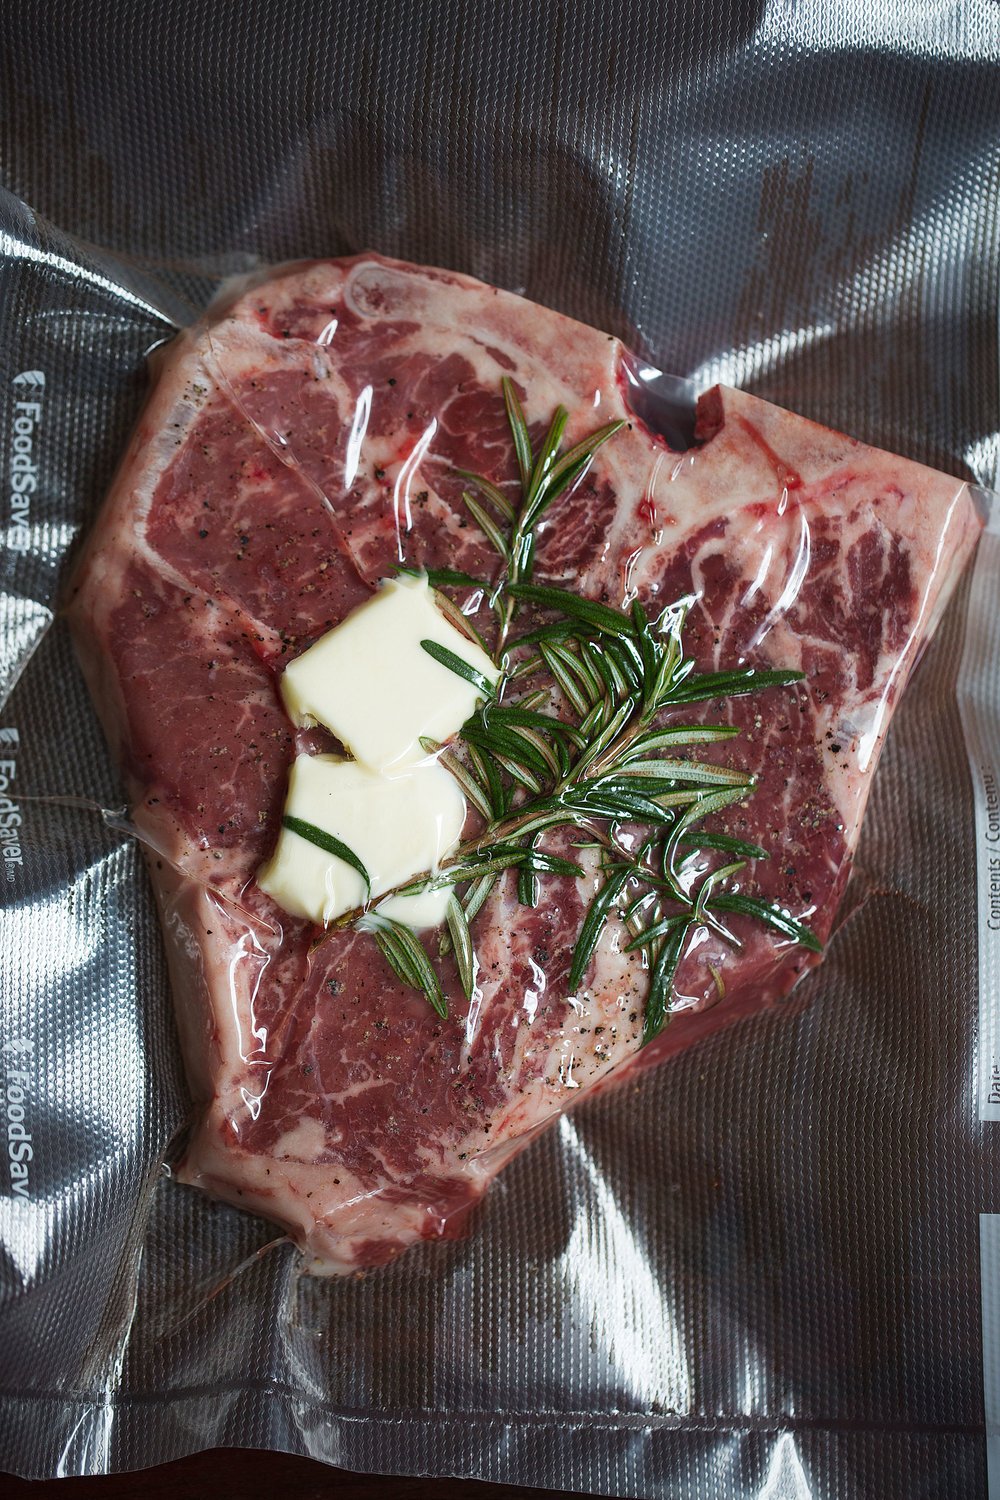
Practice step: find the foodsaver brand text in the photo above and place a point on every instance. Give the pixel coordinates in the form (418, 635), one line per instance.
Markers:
(15, 1102)
(23, 471)
(10, 821)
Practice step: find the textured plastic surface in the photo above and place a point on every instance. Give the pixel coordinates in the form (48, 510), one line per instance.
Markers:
(790, 1208)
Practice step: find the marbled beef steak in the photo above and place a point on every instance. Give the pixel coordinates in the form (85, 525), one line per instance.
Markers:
(299, 443)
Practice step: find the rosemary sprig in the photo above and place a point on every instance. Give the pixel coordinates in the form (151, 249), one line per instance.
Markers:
(593, 748)
(544, 477)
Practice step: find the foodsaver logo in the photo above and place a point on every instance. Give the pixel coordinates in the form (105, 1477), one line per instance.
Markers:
(11, 854)
(18, 1056)
(29, 387)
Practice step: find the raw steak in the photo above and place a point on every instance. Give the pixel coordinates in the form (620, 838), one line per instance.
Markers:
(298, 444)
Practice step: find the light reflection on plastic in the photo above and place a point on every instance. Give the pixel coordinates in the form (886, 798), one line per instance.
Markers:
(474, 1011)
(243, 954)
(72, 942)
(799, 30)
(91, 1454)
(733, 367)
(18, 249)
(627, 1312)
(629, 591)
(785, 1479)
(868, 742)
(697, 938)
(43, 536)
(758, 580)
(983, 458)
(253, 1102)
(790, 592)
(22, 632)
(326, 334)
(401, 489)
(532, 996)
(356, 436)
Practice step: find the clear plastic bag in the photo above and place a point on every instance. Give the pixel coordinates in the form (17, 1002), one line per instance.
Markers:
(756, 1268)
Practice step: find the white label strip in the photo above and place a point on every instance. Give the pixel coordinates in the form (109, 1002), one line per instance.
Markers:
(989, 1273)
(978, 691)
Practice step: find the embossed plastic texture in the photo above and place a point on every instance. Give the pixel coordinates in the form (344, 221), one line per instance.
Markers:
(752, 1270)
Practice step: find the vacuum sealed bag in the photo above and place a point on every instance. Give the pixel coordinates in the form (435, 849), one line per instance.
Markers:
(669, 622)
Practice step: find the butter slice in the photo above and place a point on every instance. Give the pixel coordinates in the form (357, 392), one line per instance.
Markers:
(371, 683)
(397, 824)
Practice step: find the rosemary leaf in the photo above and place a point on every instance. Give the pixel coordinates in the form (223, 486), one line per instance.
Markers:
(477, 895)
(593, 925)
(459, 666)
(598, 616)
(491, 492)
(458, 926)
(543, 463)
(527, 883)
(461, 621)
(727, 845)
(407, 956)
(486, 523)
(327, 841)
(680, 734)
(442, 578)
(473, 790)
(731, 684)
(709, 884)
(531, 738)
(563, 674)
(660, 982)
(489, 775)
(700, 771)
(550, 864)
(519, 433)
(652, 935)
(496, 738)
(585, 449)
(752, 906)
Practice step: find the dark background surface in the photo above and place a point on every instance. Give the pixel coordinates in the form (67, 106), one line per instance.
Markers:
(247, 1475)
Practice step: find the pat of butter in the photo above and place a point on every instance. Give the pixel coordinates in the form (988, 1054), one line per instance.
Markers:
(373, 685)
(398, 825)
